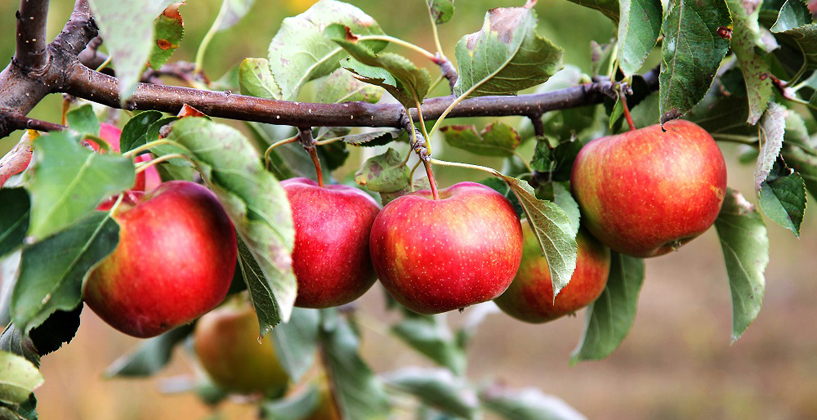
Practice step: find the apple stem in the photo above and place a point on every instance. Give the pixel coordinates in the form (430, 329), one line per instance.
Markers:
(267, 161)
(466, 166)
(622, 95)
(431, 181)
(143, 166)
(313, 153)
(308, 142)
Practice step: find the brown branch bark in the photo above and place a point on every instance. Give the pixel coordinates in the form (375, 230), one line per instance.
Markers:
(94, 86)
(32, 17)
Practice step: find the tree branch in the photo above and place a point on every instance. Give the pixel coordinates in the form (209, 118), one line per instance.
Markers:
(31, 54)
(94, 86)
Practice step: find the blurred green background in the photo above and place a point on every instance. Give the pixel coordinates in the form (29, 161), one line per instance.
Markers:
(677, 362)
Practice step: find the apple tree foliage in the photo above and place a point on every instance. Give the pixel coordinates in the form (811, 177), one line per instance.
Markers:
(743, 70)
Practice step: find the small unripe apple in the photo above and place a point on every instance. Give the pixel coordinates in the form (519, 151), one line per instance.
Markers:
(174, 261)
(227, 346)
(530, 296)
(647, 192)
(331, 256)
(434, 256)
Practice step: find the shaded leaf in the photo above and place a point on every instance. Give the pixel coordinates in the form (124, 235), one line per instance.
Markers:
(257, 206)
(783, 197)
(692, 53)
(638, 30)
(609, 8)
(794, 26)
(127, 27)
(18, 378)
(13, 219)
(611, 316)
(506, 55)
(299, 52)
(552, 228)
(384, 173)
(745, 35)
(151, 356)
(60, 327)
(358, 392)
(14, 341)
(297, 407)
(805, 164)
(136, 130)
(42, 289)
(438, 388)
(374, 138)
(296, 342)
(746, 253)
(566, 202)
(68, 181)
(342, 86)
(496, 139)
(255, 79)
(526, 404)
(168, 32)
(431, 336)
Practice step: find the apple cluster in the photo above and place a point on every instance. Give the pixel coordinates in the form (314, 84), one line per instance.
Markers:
(641, 193)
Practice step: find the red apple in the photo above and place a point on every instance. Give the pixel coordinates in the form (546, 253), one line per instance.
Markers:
(226, 344)
(530, 296)
(174, 262)
(434, 256)
(647, 192)
(331, 255)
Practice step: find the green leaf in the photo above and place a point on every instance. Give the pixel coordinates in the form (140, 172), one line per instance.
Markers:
(566, 202)
(371, 139)
(746, 253)
(773, 127)
(136, 130)
(83, 120)
(358, 392)
(441, 10)
(296, 342)
(395, 73)
(795, 27)
(342, 86)
(552, 228)
(151, 355)
(232, 11)
(783, 197)
(638, 30)
(611, 316)
(431, 336)
(297, 407)
(13, 340)
(805, 164)
(496, 139)
(169, 30)
(692, 53)
(127, 28)
(299, 52)
(42, 289)
(384, 173)
(257, 206)
(18, 378)
(13, 219)
(438, 388)
(506, 55)
(68, 181)
(745, 35)
(558, 160)
(255, 79)
(609, 8)
(526, 404)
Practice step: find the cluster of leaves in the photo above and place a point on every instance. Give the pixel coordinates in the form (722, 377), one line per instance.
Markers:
(749, 96)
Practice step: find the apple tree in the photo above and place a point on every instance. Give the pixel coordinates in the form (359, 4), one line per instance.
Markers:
(215, 212)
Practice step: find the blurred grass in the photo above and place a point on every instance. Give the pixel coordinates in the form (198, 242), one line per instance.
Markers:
(677, 362)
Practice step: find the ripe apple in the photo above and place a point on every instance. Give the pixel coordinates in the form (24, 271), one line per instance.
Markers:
(647, 192)
(226, 343)
(530, 296)
(331, 255)
(437, 255)
(174, 262)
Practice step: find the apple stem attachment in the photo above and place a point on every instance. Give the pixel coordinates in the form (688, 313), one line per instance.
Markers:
(267, 162)
(308, 142)
(623, 91)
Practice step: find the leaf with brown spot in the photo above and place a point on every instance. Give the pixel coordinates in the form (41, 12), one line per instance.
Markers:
(169, 30)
